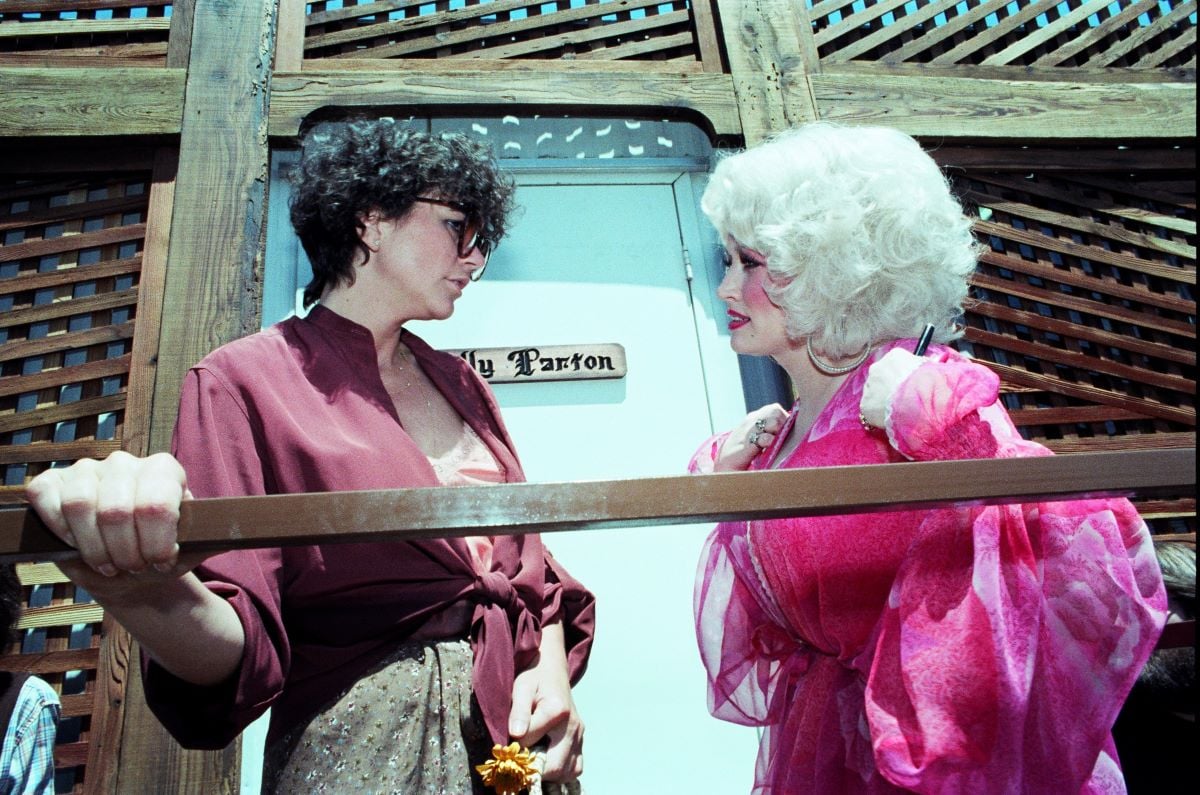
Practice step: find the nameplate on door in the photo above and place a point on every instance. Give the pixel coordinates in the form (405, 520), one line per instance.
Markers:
(546, 362)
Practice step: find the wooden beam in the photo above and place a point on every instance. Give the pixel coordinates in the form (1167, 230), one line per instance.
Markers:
(625, 90)
(408, 514)
(70, 101)
(770, 59)
(960, 108)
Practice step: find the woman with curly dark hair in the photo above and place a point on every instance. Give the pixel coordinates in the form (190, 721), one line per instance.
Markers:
(396, 665)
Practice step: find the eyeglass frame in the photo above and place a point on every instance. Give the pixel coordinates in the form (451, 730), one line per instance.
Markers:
(472, 222)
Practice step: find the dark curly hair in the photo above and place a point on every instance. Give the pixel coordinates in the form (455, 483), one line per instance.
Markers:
(350, 169)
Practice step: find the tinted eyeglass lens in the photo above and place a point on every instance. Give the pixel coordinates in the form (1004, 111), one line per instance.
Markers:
(468, 236)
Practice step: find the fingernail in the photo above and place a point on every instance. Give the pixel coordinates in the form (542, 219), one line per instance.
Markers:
(107, 569)
(163, 567)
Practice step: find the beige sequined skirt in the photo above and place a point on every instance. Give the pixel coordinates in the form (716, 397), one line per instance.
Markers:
(408, 726)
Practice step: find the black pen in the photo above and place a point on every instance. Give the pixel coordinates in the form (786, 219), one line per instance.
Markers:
(923, 343)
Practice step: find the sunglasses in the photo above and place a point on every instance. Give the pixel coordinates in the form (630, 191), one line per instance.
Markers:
(469, 237)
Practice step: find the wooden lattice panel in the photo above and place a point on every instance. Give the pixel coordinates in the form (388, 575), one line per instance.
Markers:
(675, 31)
(49, 32)
(1086, 305)
(59, 640)
(1142, 34)
(70, 260)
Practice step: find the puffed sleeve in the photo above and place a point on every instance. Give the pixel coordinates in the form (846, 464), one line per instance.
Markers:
(215, 440)
(747, 654)
(705, 459)
(934, 414)
(1012, 633)
(749, 657)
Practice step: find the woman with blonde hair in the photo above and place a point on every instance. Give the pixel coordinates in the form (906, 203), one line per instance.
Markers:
(953, 649)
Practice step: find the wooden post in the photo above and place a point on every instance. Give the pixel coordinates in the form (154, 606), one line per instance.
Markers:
(211, 281)
(215, 251)
(769, 57)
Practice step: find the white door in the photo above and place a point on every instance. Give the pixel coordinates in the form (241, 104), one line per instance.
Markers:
(598, 257)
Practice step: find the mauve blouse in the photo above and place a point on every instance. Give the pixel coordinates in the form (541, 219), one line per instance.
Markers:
(301, 407)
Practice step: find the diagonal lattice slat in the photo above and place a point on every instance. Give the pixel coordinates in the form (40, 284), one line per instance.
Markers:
(1141, 34)
(48, 31)
(561, 29)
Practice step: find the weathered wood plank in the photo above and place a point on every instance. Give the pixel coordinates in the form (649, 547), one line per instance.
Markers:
(55, 661)
(1099, 337)
(1107, 207)
(1075, 278)
(68, 58)
(1046, 383)
(1071, 414)
(1085, 225)
(60, 615)
(289, 38)
(47, 6)
(41, 574)
(1080, 361)
(65, 342)
(139, 393)
(73, 212)
(318, 18)
(931, 38)
(89, 102)
(1074, 74)
(856, 19)
(1002, 28)
(219, 203)
(707, 39)
(763, 40)
(1035, 38)
(1139, 36)
(1099, 444)
(408, 514)
(1086, 306)
(499, 31)
(1183, 275)
(101, 368)
(1014, 109)
(395, 67)
(631, 49)
(83, 27)
(1083, 39)
(628, 91)
(582, 36)
(71, 308)
(88, 407)
(57, 245)
(57, 451)
(70, 275)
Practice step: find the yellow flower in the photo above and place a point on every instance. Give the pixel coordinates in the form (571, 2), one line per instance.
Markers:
(510, 771)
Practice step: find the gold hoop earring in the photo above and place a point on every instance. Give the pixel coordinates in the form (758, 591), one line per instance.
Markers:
(833, 369)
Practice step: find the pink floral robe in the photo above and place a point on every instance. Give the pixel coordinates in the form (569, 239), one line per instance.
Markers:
(966, 650)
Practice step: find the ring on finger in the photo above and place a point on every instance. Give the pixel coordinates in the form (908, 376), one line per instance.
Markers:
(753, 437)
(760, 425)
